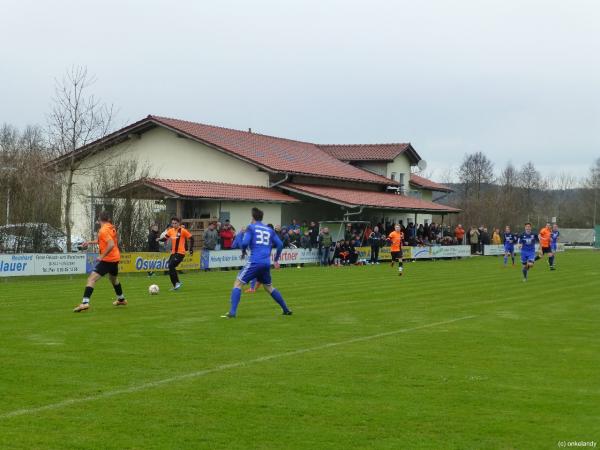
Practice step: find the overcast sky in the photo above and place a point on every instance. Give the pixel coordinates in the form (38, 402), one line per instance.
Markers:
(516, 79)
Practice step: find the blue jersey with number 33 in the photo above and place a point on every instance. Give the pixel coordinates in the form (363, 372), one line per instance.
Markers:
(261, 239)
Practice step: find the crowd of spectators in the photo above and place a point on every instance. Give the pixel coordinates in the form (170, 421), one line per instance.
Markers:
(342, 248)
(478, 237)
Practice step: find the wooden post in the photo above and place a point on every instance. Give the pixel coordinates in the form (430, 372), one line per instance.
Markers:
(179, 208)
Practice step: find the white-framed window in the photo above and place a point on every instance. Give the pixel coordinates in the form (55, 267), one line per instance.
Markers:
(393, 176)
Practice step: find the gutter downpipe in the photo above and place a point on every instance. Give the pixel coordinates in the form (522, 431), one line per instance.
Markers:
(277, 183)
(347, 213)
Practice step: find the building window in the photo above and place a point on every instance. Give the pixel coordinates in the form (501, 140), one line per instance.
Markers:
(393, 176)
(401, 183)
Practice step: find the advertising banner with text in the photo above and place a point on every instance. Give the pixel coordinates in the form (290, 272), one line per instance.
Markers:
(233, 258)
(147, 262)
(497, 250)
(42, 264)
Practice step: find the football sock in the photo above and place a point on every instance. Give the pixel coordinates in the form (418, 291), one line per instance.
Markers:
(551, 260)
(174, 277)
(119, 291)
(279, 299)
(513, 259)
(400, 266)
(236, 296)
(253, 284)
(525, 272)
(505, 259)
(87, 293)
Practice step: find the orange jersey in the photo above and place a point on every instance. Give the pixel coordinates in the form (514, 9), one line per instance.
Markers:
(109, 233)
(396, 237)
(545, 235)
(178, 237)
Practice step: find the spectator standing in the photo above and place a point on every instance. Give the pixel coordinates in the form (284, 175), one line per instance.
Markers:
(324, 241)
(485, 239)
(227, 235)
(459, 234)
(375, 239)
(474, 240)
(303, 227)
(496, 238)
(153, 245)
(305, 241)
(211, 237)
(348, 232)
(294, 225)
(285, 237)
(313, 231)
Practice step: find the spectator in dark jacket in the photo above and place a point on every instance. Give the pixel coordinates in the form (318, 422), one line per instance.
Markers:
(375, 240)
(153, 246)
(305, 241)
(313, 232)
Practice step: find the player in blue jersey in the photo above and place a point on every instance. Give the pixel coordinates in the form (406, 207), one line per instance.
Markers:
(554, 235)
(260, 239)
(528, 256)
(509, 245)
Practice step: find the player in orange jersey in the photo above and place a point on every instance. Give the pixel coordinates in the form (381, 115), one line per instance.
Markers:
(108, 263)
(396, 238)
(178, 236)
(545, 237)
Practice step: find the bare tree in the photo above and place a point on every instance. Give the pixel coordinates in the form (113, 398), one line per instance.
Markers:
(28, 193)
(475, 171)
(77, 119)
(132, 217)
(592, 186)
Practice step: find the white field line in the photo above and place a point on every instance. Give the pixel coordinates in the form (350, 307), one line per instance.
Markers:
(220, 368)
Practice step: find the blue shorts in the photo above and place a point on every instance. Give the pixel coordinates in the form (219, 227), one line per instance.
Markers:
(509, 249)
(527, 257)
(262, 273)
(553, 247)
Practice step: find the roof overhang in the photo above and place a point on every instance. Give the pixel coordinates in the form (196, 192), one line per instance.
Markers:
(158, 189)
(376, 200)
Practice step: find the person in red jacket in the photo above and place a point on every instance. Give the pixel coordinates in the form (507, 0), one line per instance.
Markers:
(227, 235)
(459, 233)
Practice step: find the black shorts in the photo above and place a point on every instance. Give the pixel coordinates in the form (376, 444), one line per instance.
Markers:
(396, 256)
(546, 250)
(104, 267)
(175, 259)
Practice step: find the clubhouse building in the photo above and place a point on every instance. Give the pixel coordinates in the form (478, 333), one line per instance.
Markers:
(201, 171)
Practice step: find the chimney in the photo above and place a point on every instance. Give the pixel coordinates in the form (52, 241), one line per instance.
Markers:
(249, 130)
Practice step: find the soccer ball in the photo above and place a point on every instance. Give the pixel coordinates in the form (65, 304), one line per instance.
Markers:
(153, 289)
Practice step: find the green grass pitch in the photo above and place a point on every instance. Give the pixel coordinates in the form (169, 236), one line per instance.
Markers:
(453, 355)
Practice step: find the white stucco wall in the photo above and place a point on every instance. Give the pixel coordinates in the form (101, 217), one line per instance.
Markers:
(373, 166)
(240, 212)
(168, 156)
(400, 165)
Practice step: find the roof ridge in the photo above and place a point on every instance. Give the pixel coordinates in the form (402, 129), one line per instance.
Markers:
(150, 116)
(363, 145)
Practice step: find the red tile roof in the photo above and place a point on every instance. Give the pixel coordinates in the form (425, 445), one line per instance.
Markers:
(212, 190)
(273, 153)
(373, 199)
(424, 183)
(365, 152)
